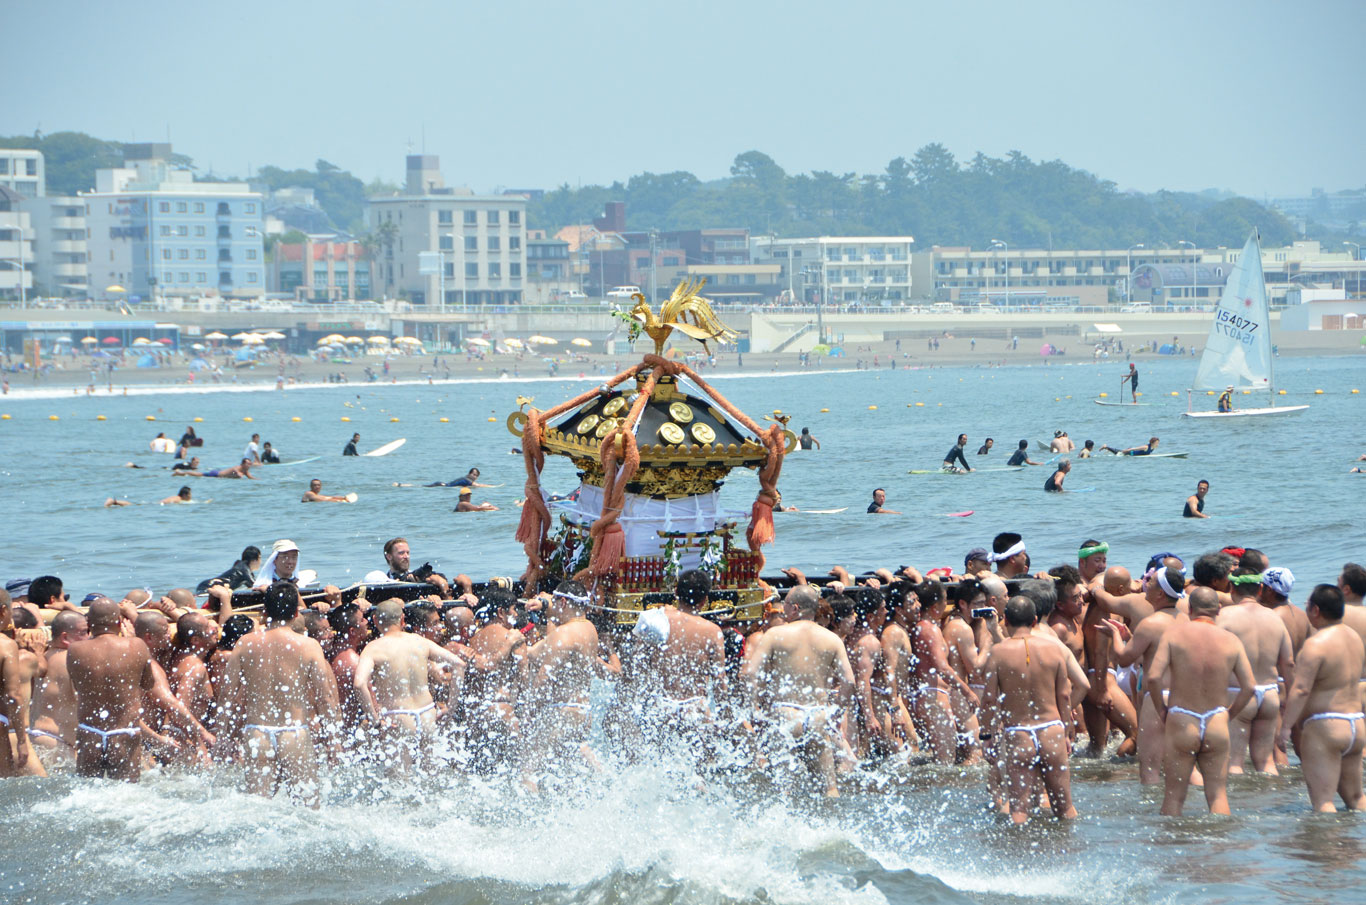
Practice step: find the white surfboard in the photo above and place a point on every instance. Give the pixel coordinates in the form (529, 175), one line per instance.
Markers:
(387, 448)
(352, 497)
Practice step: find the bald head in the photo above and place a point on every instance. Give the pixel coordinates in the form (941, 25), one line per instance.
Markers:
(138, 597)
(67, 623)
(389, 614)
(1204, 602)
(1117, 581)
(182, 597)
(103, 617)
(192, 631)
(805, 598)
(151, 625)
(995, 587)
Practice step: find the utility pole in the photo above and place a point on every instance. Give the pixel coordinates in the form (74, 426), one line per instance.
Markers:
(654, 238)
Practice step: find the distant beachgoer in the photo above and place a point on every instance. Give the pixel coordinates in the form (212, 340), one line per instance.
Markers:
(1226, 400)
(955, 454)
(314, 494)
(240, 574)
(1088, 449)
(466, 505)
(350, 449)
(241, 470)
(1130, 378)
(471, 479)
(115, 502)
(1195, 503)
(806, 439)
(1061, 442)
(253, 450)
(986, 447)
(269, 455)
(162, 444)
(1145, 449)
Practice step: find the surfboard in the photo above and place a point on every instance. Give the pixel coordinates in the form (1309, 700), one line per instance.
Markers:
(984, 470)
(300, 461)
(352, 497)
(1156, 455)
(822, 511)
(1124, 404)
(387, 448)
(1079, 490)
(964, 514)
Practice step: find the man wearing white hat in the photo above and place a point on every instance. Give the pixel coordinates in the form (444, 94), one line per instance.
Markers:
(281, 565)
(1277, 583)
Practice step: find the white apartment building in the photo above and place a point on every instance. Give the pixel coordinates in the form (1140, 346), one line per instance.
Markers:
(23, 171)
(154, 231)
(60, 247)
(16, 246)
(475, 244)
(869, 270)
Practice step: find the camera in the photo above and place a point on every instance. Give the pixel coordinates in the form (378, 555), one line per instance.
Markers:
(983, 612)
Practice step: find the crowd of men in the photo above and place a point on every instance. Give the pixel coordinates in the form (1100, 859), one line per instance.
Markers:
(1197, 671)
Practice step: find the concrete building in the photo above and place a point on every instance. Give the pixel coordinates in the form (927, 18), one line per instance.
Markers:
(60, 248)
(1322, 309)
(155, 231)
(869, 270)
(23, 171)
(437, 240)
(16, 246)
(321, 268)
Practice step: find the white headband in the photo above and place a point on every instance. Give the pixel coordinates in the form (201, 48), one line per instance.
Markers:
(1002, 557)
(1166, 585)
(573, 598)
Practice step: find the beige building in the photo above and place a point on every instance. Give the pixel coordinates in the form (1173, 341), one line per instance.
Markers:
(871, 270)
(60, 247)
(16, 247)
(23, 171)
(434, 241)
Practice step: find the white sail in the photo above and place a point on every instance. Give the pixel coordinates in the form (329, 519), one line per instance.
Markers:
(1238, 351)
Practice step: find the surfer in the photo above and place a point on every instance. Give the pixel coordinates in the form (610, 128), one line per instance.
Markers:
(350, 448)
(253, 451)
(471, 479)
(240, 574)
(241, 470)
(190, 468)
(955, 454)
(1021, 456)
(315, 494)
(1130, 378)
(1144, 450)
(806, 439)
(1226, 400)
(876, 506)
(1054, 482)
(182, 496)
(1195, 503)
(986, 447)
(465, 504)
(1088, 450)
(269, 455)
(161, 444)
(1061, 442)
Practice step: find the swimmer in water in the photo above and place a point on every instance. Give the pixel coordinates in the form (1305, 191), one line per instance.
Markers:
(466, 505)
(1195, 503)
(876, 506)
(806, 439)
(1088, 449)
(114, 503)
(241, 470)
(1054, 482)
(1021, 456)
(182, 496)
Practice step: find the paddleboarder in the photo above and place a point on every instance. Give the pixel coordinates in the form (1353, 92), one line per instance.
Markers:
(1132, 379)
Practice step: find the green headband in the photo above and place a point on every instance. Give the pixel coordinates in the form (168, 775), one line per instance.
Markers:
(1101, 547)
(1246, 579)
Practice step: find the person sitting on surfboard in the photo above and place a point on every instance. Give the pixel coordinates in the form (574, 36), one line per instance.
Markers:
(1226, 400)
(955, 454)
(1021, 456)
(350, 449)
(1144, 450)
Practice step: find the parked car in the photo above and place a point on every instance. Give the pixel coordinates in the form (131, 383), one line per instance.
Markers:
(623, 292)
(1137, 308)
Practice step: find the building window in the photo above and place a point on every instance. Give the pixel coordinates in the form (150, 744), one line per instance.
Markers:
(165, 230)
(445, 218)
(251, 276)
(471, 243)
(471, 218)
(181, 207)
(492, 218)
(165, 254)
(166, 277)
(514, 217)
(446, 243)
(225, 276)
(199, 231)
(200, 254)
(495, 270)
(514, 243)
(251, 254)
(184, 277)
(250, 232)
(199, 207)
(515, 270)
(164, 207)
(670, 261)
(182, 230)
(251, 207)
(183, 254)
(471, 271)
(494, 243)
(200, 276)
(31, 167)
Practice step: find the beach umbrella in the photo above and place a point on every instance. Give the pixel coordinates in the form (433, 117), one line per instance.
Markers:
(580, 341)
(166, 341)
(542, 340)
(114, 288)
(253, 339)
(477, 341)
(820, 349)
(513, 343)
(379, 340)
(354, 341)
(331, 338)
(274, 335)
(111, 341)
(197, 346)
(216, 336)
(409, 341)
(88, 340)
(141, 341)
(240, 336)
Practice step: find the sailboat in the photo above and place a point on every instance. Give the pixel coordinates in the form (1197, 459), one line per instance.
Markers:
(1238, 351)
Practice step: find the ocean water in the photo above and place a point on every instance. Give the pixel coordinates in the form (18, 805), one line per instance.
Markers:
(651, 832)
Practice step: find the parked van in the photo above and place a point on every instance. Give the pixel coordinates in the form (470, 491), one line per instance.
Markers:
(1137, 308)
(942, 308)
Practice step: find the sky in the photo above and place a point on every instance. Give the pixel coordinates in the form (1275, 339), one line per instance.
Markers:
(1258, 97)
